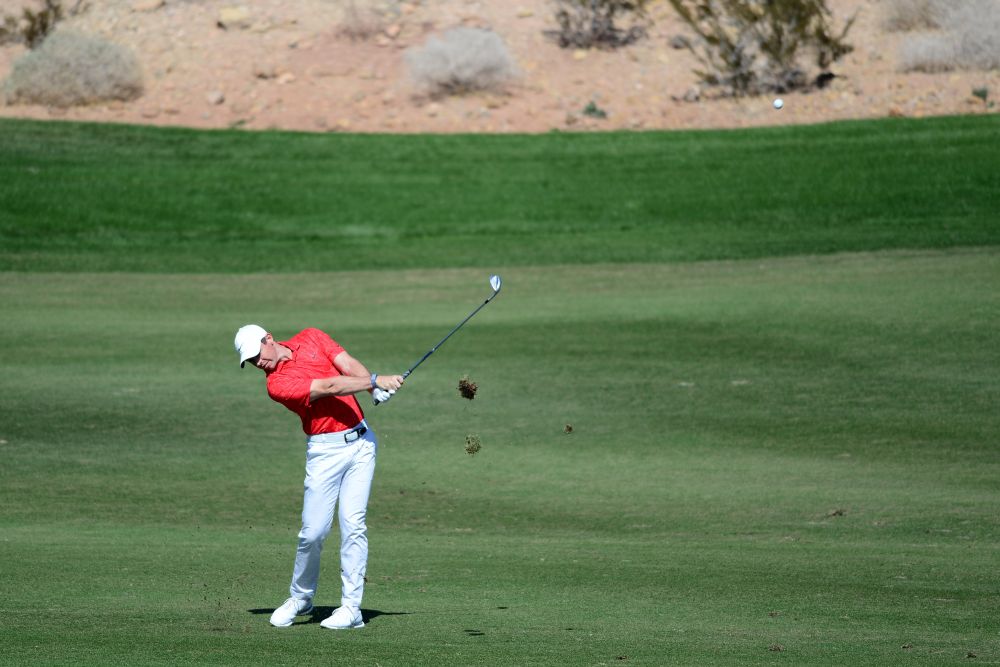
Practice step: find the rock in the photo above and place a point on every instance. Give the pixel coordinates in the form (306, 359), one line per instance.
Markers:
(392, 32)
(579, 54)
(265, 71)
(143, 6)
(150, 112)
(524, 13)
(215, 97)
(433, 109)
(234, 18)
(286, 78)
(680, 42)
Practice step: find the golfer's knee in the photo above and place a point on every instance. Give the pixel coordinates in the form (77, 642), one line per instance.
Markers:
(313, 534)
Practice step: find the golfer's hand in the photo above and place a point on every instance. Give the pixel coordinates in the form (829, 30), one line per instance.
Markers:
(389, 383)
(380, 396)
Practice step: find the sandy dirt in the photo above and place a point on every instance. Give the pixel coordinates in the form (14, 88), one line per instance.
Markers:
(269, 64)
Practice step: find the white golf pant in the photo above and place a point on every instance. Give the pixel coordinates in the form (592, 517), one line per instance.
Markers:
(336, 472)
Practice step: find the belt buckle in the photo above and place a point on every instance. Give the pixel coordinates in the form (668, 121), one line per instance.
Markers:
(352, 436)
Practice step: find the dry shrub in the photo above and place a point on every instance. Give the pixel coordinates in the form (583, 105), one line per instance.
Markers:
(462, 60)
(33, 25)
(589, 23)
(969, 39)
(360, 23)
(906, 15)
(71, 69)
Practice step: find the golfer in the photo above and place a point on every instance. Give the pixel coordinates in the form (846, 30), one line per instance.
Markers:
(314, 377)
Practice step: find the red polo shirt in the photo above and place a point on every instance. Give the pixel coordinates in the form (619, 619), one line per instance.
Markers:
(313, 353)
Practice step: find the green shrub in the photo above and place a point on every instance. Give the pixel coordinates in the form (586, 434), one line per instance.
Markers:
(462, 60)
(748, 47)
(969, 39)
(71, 69)
(588, 23)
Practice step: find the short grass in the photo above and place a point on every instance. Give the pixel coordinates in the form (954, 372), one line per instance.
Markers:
(733, 411)
(90, 197)
(792, 452)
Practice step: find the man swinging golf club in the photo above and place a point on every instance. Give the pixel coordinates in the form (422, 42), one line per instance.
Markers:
(314, 377)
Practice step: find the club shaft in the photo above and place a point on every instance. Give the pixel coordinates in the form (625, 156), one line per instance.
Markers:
(441, 342)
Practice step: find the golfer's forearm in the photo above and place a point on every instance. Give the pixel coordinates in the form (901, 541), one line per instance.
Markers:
(342, 385)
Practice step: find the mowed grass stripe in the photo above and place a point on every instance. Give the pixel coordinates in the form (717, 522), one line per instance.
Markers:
(83, 197)
(786, 451)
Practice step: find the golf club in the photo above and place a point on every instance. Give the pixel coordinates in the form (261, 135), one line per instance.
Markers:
(495, 283)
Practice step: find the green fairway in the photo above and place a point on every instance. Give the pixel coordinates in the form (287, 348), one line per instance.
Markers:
(91, 197)
(780, 450)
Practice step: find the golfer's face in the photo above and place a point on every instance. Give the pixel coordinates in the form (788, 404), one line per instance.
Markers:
(267, 359)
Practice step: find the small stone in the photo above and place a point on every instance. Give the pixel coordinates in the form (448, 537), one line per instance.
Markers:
(392, 32)
(215, 97)
(234, 18)
(579, 54)
(286, 78)
(142, 6)
(265, 71)
(524, 13)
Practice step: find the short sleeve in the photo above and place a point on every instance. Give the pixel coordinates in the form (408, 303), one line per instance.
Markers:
(290, 391)
(330, 347)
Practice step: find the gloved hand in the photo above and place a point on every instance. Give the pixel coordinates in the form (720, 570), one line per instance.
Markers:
(380, 396)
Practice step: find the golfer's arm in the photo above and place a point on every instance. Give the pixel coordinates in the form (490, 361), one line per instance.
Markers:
(355, 377)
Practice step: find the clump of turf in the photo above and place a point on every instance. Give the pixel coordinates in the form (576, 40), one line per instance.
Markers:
(467, 388)
(472, 444)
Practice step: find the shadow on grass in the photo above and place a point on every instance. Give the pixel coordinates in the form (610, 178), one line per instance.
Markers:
(319, 613)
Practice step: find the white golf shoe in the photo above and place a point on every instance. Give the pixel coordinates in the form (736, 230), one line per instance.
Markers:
(344, 618)
(286, 613)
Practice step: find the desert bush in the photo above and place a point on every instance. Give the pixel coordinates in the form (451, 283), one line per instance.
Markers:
(360, 23)
(969, 39)
(588, 23)
(462, 60)
(33, 25)
(905, 15)
(71, 69)
(748, 47)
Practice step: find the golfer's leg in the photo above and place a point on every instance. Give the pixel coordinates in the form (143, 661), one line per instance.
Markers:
(354, 491)
(324, 467)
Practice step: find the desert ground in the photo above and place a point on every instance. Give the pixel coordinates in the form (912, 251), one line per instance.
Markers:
(273, 64)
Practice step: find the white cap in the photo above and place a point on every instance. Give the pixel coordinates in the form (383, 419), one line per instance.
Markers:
(248, 341)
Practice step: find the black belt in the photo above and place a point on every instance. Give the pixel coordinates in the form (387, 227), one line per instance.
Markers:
(345, 437)
(357, 433)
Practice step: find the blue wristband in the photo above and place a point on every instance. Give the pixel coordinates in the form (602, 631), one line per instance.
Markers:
(374, 377)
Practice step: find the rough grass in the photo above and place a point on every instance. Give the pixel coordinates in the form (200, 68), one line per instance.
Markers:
(72, 69)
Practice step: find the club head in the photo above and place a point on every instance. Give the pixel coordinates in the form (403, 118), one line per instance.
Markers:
(495, 283)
